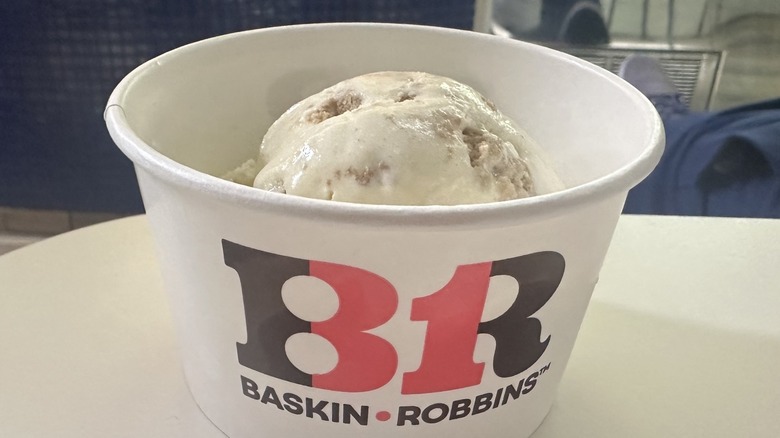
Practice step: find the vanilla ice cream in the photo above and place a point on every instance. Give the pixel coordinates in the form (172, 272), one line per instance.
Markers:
(398, 138)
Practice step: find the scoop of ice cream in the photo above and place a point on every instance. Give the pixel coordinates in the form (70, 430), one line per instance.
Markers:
(399, 138)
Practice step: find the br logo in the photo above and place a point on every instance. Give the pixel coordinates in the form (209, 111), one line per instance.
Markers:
(367, 301)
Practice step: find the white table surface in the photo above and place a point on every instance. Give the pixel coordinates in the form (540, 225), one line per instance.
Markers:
(682, 338)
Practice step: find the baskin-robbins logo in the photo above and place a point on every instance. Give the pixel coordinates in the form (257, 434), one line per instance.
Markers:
(367, 362)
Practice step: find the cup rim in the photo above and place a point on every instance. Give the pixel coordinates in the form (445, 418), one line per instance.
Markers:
(430, 216)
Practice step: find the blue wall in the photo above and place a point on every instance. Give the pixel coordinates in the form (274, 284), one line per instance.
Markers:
(60, 59)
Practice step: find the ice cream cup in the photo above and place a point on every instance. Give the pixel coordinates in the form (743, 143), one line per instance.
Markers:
(300, 317)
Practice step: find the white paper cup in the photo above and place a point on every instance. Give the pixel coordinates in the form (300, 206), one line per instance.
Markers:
(301, 317)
